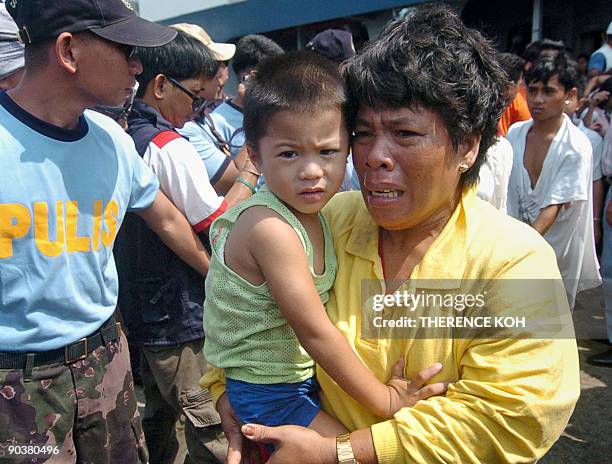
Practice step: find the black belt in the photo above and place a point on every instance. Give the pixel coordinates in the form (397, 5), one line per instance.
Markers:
(76, 351)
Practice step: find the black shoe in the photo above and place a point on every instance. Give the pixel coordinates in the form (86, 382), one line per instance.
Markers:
(602, 359)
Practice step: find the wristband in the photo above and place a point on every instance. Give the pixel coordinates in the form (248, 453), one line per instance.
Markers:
(243, 181)
(345, 449)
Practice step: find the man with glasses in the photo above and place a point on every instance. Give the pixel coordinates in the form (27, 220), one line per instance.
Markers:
(69, 177)
(161, 297)
(218, 137)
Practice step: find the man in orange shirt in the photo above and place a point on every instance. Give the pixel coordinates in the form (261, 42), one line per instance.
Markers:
(517, 110)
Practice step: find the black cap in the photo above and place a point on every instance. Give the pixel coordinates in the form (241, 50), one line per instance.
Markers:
(333, 44)
(113, 20)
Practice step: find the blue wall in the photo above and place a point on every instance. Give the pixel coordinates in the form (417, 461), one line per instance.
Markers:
(255, 16)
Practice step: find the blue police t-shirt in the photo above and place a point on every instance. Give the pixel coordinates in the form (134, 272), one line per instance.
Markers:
(63, 197)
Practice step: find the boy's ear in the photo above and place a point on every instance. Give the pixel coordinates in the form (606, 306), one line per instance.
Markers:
(254, 156)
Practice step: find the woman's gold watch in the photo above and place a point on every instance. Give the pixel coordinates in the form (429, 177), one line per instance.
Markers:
(345, 449)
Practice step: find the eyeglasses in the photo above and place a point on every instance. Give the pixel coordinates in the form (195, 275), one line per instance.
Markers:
(197, 103)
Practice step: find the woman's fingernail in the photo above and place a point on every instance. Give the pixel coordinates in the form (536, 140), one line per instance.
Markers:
(438, 365)
(248, 430)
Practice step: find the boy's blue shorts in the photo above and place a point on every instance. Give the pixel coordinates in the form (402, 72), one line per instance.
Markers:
(275, 404)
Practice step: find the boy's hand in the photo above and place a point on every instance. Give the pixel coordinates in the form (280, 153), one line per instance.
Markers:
(405, 393)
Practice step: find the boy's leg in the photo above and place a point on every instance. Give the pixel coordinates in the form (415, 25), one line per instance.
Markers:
(326, 425)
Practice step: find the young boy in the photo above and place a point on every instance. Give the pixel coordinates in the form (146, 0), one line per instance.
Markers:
(273, 260)
(551, 182)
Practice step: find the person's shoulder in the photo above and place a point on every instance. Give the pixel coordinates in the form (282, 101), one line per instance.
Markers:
(498, 240)
(344, 210)
(593, 136)
(99, 121)
(225, 110)
(171, 142)
(101, 124)
(577, 139)
(501, 148)
(256, 225)
(191, 129)
(517, 129)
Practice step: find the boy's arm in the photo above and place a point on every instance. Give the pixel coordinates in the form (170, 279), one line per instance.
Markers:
(546, 218)
(280, 255)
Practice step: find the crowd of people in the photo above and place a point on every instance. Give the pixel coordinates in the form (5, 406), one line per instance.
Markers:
(153, 226)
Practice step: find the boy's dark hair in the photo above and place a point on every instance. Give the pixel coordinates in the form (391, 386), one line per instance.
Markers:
(432, 60)
(560, 65)
(253, 49)
(534, 49)
(512, 65)
(300, 82)
(183, 58)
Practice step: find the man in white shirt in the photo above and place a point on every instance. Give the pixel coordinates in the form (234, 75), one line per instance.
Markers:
(551, 180)
(605, 359)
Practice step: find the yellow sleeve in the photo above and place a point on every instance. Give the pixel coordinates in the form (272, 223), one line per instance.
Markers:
(214, 381)
(514, 396)
(513, 401)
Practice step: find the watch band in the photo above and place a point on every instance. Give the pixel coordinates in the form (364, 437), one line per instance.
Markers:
(345, 449)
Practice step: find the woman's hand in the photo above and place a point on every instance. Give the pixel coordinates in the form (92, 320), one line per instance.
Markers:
(294, 444)
(405, 393)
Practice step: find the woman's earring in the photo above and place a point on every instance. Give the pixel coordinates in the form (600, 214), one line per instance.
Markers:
(463, 167)
(567, 102)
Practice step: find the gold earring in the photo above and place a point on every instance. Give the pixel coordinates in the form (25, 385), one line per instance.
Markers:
(463, 167)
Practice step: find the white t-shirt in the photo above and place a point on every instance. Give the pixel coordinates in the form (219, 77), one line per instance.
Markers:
(606, 153)
(566, 177)
(183, 178)
(495, 174)
(595, 140)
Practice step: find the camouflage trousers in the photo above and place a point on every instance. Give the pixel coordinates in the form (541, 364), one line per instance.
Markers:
(84, 412)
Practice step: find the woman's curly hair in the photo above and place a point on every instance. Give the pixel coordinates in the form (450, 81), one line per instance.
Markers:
(432, 60)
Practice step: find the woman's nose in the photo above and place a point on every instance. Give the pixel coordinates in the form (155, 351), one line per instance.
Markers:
(379, 154)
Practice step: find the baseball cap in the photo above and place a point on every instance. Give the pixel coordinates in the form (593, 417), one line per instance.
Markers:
(221, 51)
(112, 20)
(333, 44)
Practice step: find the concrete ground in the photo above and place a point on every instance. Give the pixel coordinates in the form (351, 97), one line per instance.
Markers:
(588, 436)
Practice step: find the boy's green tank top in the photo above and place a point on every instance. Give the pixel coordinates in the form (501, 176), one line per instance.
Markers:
(246, 333)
